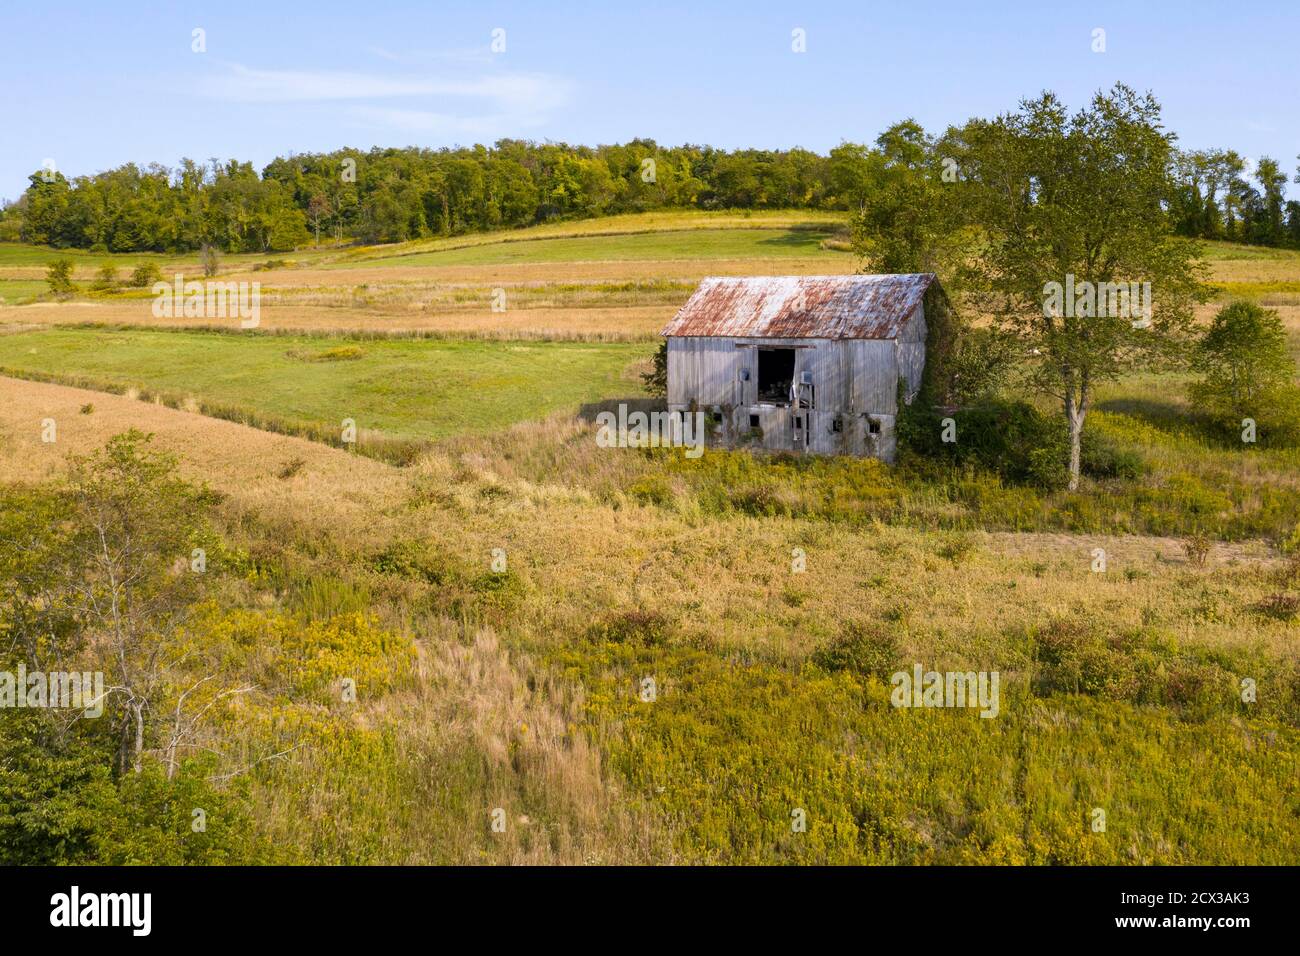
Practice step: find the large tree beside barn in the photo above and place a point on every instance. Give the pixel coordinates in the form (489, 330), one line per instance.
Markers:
(1071, 205)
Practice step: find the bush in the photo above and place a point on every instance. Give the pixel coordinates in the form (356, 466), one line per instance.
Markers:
(60, 805)
(656, 380)
(59, 277)
(409, 559)
(1016, 441)
(1101, 458)
(209, 259)
(632, 626)
(1010, 438)
(1197, 548)
(651, 489)
(865, 650)
(1281, 607)
(105, 279)
(1247, 373)
(144, 275)
(1074, 658)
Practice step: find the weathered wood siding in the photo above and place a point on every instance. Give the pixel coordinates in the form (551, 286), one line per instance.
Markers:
(855, 382)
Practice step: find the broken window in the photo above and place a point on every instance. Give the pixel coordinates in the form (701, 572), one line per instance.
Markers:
(837, 424)
(873, 426)
(753, 421)
(775, 375)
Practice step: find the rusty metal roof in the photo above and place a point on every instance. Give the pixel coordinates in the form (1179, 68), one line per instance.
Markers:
(801, 307)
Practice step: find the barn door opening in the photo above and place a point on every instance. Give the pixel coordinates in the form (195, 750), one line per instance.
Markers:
(775, 375)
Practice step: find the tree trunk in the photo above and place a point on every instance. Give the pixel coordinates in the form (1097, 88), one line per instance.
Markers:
(138, 764)
(1075, 411)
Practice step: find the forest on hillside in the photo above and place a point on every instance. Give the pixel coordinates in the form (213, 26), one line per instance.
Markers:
(392, 195)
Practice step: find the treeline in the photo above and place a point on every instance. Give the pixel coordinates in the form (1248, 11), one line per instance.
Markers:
(1216, 198)
(391, 195)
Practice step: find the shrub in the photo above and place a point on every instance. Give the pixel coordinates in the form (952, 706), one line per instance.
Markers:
(291, 468)
(409, 559)
(656, 380)
(957, 547)
(632, 626)
(1073, 658)
(1101, 458)
(765, 499)
(209, 259)
(105, 279)
(651, 490)
(59, 277)
(1197, 548)
(1282, 607)
(1010, 438)
(1242, 356)
(144, 275)
(865, 650)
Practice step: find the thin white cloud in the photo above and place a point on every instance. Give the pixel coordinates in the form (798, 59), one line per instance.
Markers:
(503, 92)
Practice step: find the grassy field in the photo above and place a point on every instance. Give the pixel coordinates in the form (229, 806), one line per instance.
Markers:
(1117, 688)
(522, 689)
(415, 388)
(687, 244)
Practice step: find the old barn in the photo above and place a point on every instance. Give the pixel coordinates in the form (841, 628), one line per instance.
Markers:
(802, 363)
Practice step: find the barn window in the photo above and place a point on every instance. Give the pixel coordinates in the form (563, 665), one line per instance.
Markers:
(775, 374)
(873, 426)
(837, 424)
(753, 421)
(717, 418)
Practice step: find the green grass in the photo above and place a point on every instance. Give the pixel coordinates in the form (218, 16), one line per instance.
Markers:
(26, 254)
(685, 244)
(19, 291)
(1218, 249)
(415, 389)
(730, 752)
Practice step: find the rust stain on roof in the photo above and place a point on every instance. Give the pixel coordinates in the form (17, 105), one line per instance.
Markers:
(801, 307)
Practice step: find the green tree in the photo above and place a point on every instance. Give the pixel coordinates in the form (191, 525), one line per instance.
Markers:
(656, 380)
(1246, 366)
(909, 217)
(106, 278)
(1272, 180)
(144, 275)
(209, 259)
(1078, 200)
(58, 276)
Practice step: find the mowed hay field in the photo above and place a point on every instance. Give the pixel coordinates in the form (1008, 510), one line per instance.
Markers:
(767, 600)
(402, 388)
(622, 281)
(615, 279)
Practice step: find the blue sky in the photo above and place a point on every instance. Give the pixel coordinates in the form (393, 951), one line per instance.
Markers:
(93, 85)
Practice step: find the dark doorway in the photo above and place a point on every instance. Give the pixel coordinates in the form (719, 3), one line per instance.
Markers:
(775, 375)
